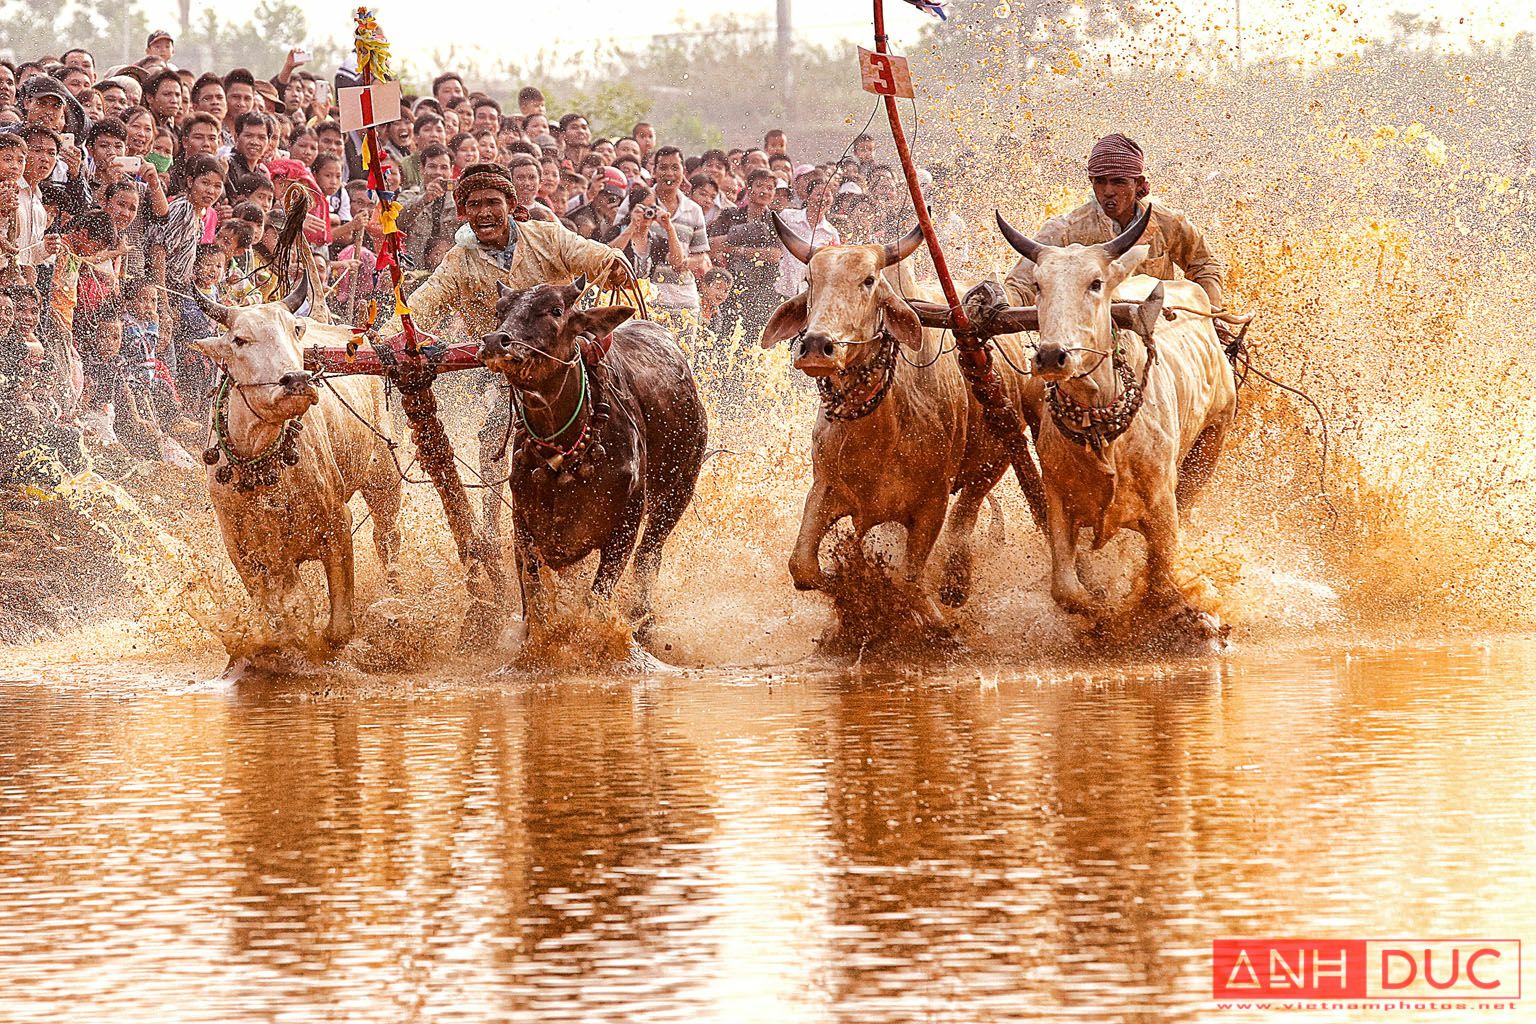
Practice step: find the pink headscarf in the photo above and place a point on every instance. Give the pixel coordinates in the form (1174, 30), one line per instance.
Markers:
(1116, 156)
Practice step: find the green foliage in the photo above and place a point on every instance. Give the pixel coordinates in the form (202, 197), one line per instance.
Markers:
(612, 107)
(29, 30)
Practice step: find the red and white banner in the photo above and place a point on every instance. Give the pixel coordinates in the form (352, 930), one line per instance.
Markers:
(364, 106)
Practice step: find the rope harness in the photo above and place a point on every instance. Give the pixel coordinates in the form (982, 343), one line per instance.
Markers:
(543, 455)
(1094, 426)
(259, 470)
(865, 386)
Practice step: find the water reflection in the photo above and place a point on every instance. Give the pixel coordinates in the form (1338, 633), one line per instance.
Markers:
(859, 849)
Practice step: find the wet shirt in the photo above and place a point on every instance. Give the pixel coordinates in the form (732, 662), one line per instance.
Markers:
(179, 234)
(791, 279)
(1175, 244)
(754, 277)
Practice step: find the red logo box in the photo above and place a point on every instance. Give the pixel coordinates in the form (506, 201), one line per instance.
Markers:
(1365, 969)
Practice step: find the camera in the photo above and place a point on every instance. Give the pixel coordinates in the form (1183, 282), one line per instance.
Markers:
(648, 212)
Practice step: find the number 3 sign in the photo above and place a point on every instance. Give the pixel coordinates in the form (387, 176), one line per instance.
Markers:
(885, 75)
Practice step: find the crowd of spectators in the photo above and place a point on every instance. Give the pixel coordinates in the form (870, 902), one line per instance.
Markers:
(126, 190)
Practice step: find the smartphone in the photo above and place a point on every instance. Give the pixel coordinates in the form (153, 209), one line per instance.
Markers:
(68, 138)
(300, 55)
(128, 164)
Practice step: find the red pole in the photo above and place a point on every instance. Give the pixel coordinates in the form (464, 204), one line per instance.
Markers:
(909, 168)
(377, 163)
(974, 352)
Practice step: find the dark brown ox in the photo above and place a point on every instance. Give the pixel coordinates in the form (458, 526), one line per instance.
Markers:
(1136, 419)
(599, 448)
(898, 431)
(281, 493)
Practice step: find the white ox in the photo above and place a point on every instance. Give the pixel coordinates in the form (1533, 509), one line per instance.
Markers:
(899, 430)
(1107, 464)
(301, 515)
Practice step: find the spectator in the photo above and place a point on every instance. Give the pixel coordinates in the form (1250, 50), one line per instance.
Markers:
(140, 124)
(328, 175)
(465, 150)
(162, 95)
(645, 139)
(250, 152)
(173, 245)
(526, 178)
(576, 137)
(810, 223)
(674, 251)
(743, 240)
(864, 153)
(162, 47)
(448, 87)
(433, 214)
(530, 101)
(239, 98)
(114, 98)
(713, 295)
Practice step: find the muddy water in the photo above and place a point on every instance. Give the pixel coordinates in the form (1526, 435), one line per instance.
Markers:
(811, 846)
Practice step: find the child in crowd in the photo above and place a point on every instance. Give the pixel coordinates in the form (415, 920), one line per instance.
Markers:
(13, 157)
(712, 296)
(329, 176)
(148, 406)
(234, 239)
(99, 338)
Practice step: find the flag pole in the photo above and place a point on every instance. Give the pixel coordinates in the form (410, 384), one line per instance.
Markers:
(373, 65)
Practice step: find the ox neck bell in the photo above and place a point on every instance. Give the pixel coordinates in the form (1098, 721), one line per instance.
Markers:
(864, 387)
(542, 455)
(1096, 427)
(248, 472)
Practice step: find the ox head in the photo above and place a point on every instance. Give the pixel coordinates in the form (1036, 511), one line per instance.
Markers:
(536, 336)
(1075, 284)
(261, 350)
(844, 299)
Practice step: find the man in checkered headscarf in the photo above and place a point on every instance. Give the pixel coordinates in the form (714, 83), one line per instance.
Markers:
(1117, 172)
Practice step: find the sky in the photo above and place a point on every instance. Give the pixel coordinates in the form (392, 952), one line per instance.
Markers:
(520, 28)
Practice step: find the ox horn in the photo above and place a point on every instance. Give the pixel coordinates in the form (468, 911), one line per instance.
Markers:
(798, 247)
(294, 299)
(220, 313)
(898, 251)
(1022, 243)
(1121, 243)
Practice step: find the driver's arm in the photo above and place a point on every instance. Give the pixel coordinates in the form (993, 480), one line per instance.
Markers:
(1187, 249)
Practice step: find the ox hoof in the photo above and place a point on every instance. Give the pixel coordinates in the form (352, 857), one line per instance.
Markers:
(808, 581)
(1202, 626)
(336, 637)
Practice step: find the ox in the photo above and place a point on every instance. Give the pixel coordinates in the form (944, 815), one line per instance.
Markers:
(611, 432)
(1136, 421)
(281, 493)
(898, 431)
